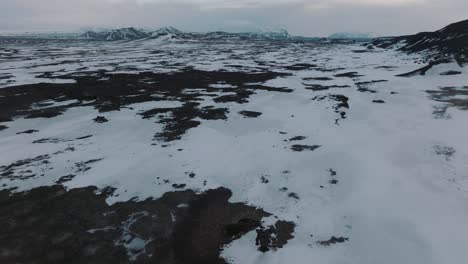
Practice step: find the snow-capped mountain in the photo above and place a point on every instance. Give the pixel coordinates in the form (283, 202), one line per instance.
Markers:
(281, 34)
(165, 31)
(173, 33)
(251, 36)
(116, 34)
(353, 35)
(452, 40)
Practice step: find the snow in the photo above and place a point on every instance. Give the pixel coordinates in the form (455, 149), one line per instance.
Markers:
(353, 35)
(396, 200)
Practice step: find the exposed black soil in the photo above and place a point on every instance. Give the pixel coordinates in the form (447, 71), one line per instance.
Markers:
(274, 237)
(333, 177)
(300, 148)
(65, 178)
(330, 69)
(100, 119)
(53, 225)
(423, 70)
(318, 79)
(264, 179)
(179, 186)
(112, 92)
(300, 67)
(448, 96)
(30, 131)
(447, 73)
(298, 138)
(343, 103)
(386, 67)
(293, 195)
(38, 166)
(318, 87)
(447, 152)
(2, 127)
(362, 51)
(349, 75)
(364, 87)
(250, 114)
(332, 241)
(84, 166)
(450, 41)
(371, 82)
(22, 169)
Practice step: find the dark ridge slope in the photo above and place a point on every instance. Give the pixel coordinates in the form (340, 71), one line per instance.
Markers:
(451, 41)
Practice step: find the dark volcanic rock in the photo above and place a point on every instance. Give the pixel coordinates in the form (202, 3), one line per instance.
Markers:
(343, 102)
(250, 114)
(22, 169)
(450, 73)
(53, 225)
(362, 51)
(274, 237)
(349, 75)
(450, 41)
(300, 148)
(100, 119)
(179, 186)
(318, 87)
(423, 70)
(371, 82)
(450, 97)
(379, 101)
(386, 67)
(447, 152)
(318, 79)
(2, 127)
(298, 138)
(364, 87)
(241, 227)
(64, 179)
(294, 195)
(333, 175)
(300, 67)
(30, 131)
(333, 240)
(112, 92)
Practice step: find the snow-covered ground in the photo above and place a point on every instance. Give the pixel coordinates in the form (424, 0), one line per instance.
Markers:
(390, 173)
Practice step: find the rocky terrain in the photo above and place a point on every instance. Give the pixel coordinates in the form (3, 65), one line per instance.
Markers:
(131, 146)
(451, 42)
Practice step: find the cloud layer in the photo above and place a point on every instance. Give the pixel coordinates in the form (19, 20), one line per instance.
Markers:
(305, 17)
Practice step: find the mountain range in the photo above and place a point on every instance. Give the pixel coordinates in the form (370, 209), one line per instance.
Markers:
(450, 41)
(173, 33)
(355, 36)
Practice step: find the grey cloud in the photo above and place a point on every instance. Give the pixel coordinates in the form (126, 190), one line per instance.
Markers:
(304, 17)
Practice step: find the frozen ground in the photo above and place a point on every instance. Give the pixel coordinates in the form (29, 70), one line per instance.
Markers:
(370, 167)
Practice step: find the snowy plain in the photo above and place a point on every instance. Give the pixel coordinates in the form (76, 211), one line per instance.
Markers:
(390, 174)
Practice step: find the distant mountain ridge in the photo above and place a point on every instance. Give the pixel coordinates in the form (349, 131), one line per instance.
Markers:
(173, 33)
(451, 41)
(116, 34)
(353, 35)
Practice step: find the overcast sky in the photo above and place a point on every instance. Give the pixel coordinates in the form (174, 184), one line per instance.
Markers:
(299, 17)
